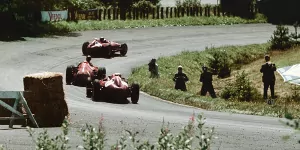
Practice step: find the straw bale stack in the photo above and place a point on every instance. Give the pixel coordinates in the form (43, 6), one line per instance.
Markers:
(46, 98)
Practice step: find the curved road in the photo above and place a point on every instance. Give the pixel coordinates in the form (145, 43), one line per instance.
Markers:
(54, 54)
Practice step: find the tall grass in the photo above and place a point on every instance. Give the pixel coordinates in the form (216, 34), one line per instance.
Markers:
(248, 58)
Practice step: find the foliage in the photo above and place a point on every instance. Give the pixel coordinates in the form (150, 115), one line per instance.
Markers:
(1, 147)
(280, 12)
(44, 141)
(192, 63)
(188, 3)
(64, 27)
(241, 89)
(281, 38)
(295, 36)
(238, 7)
(220, 62)
(143, 4)
(94, 139)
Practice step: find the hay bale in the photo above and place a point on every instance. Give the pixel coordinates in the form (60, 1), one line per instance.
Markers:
(46, 98)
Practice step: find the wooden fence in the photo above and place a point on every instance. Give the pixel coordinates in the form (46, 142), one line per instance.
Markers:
(149, 13)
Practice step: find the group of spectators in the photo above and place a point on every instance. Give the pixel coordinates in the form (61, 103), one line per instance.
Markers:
(206, 77)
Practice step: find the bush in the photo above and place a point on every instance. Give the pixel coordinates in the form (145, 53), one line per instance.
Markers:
(188, 3)
(241, 8)
(241, 89)
(94, 139)
(219, 61)
(143, 4)
(280, 12)
(280, 39)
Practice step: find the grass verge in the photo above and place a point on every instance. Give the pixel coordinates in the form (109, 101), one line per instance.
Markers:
(65, 27)
(252, 56)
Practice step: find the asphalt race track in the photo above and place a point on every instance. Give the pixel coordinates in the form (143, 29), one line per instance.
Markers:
(54, 54)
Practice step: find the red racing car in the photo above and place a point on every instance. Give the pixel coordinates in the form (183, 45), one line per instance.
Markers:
(103, 46)
(114, 88)
(83, 73)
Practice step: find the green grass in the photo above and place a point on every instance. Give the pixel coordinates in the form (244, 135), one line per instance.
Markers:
(64, 27)
(251, 56)
(184, 21)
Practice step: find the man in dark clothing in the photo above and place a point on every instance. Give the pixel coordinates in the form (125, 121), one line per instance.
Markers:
(268, 77)
(206, 79)
(153, 68)
(180, 78)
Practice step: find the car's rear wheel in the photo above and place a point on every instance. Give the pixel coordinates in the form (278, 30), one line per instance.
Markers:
(69, 74)
(89, 88)
(96, 90)
(124, 49)
(101, 73)
(84, 48)
(135, 93)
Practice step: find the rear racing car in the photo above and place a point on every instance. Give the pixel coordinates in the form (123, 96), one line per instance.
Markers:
(103, 46)
(113, 88)
(83, 73)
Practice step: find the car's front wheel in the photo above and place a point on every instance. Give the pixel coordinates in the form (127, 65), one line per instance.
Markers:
(69, 74)
(135, 93)
(124, 49)
(84, 48)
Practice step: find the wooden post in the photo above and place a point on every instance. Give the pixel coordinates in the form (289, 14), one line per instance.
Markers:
(114, 14)
(141, 13)
(218, 11)
(171, 12)
(129, 13)
(137, 13)
(175, 12)
(162, 13)
(187, 11)
(117, 13)
(192, 13)
(153, 13)
(104, 13)
(147, 13)
(134, 13)
(201, 11)
(100, 14)
(109, 14)
(157, 12)
(182, 11)
(167, 12)
(197, 11)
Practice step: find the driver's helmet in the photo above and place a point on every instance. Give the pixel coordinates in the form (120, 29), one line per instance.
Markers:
(101, 39)
(88, 58)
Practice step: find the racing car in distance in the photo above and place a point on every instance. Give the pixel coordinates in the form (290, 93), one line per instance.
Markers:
(103, 46)
(83, 73)
(115, 89)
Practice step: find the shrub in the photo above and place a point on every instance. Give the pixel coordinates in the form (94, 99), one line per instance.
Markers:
(188, 3)
(143, 4)
(280, 39)
(219, 61)
(95, 139)
(294, 36)
(240, 89)
(44, 141)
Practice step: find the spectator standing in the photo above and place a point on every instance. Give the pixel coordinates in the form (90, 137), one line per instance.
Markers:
(268, 77)
(207, 86)
(153, 68)
(180, 79)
